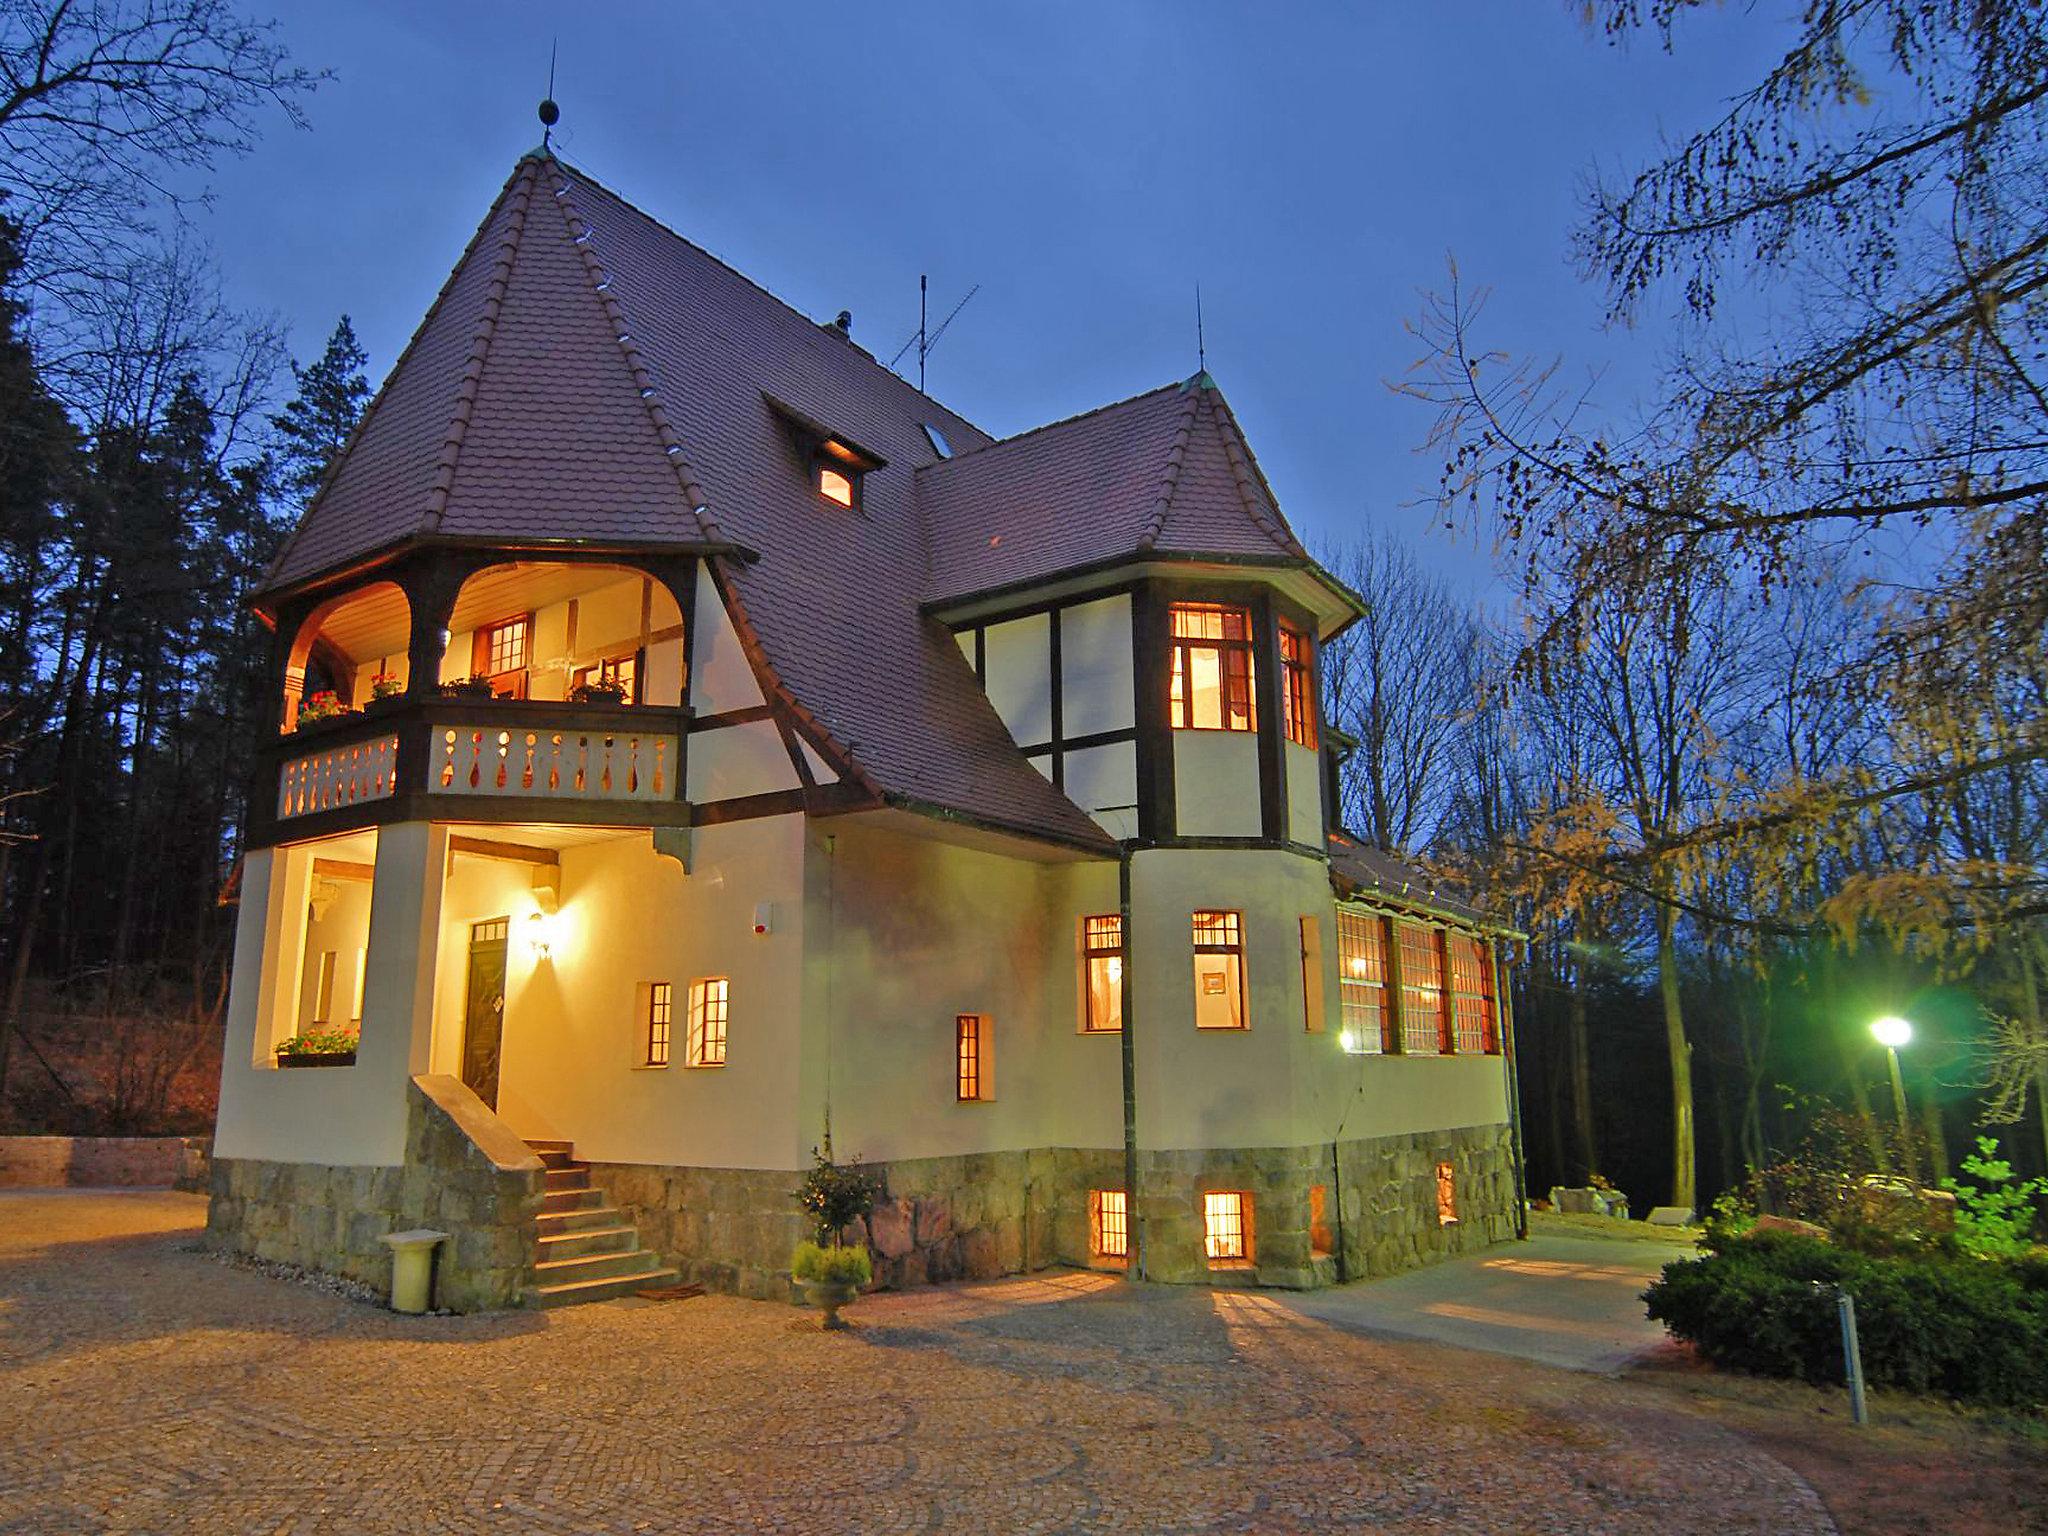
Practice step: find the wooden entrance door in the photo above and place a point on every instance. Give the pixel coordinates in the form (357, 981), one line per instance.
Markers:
(483, 1017)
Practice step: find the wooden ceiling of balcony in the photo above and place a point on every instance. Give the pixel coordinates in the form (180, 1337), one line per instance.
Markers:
(372, 624)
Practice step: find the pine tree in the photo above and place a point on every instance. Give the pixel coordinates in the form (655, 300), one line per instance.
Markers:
(314, 427)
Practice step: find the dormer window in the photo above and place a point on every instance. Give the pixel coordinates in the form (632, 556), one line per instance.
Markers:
(835, 484)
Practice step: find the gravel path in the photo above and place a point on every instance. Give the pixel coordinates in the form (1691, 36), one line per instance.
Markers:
(147, 1387)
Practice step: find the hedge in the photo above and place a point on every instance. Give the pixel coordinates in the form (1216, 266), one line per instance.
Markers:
(1967, 1328)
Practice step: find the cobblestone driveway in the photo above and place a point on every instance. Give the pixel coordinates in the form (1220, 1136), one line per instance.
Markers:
(144, 1387)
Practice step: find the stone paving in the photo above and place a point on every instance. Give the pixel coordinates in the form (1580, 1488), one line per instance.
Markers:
(147, 1387)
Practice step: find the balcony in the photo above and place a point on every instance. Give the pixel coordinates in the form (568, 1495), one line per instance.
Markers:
(482, 759)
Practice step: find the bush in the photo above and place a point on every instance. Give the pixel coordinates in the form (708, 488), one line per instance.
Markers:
(1962, 1327)
(831, 1266)
(835, 1195)
(1994, 1211)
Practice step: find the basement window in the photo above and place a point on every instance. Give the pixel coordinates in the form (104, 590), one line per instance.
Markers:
(1227, 1227)
(1446, 1195)
(1109, 1224)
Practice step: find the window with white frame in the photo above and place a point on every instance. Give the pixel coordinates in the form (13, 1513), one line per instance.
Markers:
(705, 1044)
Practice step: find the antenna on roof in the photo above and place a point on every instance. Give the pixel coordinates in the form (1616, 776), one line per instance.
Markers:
(1201, 344)
(550, 114)
(926, 342)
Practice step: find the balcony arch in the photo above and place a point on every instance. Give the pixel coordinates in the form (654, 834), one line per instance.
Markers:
(545, 629)
(345, 645)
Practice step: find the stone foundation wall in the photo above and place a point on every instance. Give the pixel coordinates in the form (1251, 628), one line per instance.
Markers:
(983, 1215)
(100, 1162)
(458, 1177)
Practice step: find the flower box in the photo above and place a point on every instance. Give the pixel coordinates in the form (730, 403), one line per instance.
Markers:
(317, 1059)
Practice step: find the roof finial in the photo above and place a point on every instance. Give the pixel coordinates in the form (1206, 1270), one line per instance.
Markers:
(550, 114)
(1201, 345)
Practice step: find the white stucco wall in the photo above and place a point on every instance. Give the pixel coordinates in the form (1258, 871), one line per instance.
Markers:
(734, 760)
(720, 678)
(573, 1041)
(908, 933)
(1017, 661)
(1304, 794)
(1216, 783)
(1097, 691)
(1103, 781)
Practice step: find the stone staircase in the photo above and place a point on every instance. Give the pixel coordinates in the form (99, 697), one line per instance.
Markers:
(588, 1251)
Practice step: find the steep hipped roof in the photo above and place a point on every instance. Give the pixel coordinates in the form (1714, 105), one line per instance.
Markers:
(1167, 473)
(517, 411)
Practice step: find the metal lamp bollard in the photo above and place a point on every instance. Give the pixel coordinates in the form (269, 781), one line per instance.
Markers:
(412, 1267)
(1852, 1352)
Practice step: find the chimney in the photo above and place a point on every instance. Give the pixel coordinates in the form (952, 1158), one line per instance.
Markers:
(843, 323)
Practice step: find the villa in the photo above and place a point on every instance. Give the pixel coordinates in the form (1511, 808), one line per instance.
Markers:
(694, 746)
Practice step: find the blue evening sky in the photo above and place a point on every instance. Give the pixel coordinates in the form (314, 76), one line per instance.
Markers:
(1311, 166)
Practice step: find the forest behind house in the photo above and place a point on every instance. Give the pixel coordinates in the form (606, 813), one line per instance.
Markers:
(1752, 754)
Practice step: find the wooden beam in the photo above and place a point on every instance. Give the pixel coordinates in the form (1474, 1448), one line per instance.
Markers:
(518, 853)
(344, 869)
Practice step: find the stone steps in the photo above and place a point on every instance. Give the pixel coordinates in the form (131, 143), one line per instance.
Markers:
(585, 1249)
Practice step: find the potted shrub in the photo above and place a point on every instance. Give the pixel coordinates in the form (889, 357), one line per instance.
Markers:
(831, 1277)
(317, 708)
(476, 687)
(598, 690)
(835, 1196)
(319, 1047)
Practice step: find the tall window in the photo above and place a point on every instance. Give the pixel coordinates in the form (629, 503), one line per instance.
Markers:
(1219, 970)
(1298, 687)
(1472, 1005)
(1102, 973)
(706, 1043)
(1109, 1227)
(1227, 1226)
(1212, 668)
(1362, 981)
(660, 1017)
(971, 1058)
(1423, 1021)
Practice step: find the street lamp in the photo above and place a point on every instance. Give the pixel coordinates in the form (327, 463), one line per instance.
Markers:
(1891, 1032)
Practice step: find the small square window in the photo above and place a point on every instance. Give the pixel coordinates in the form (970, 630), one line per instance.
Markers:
(835, 485)
(1227, 1226)
(1109, 1227)
(706, 1044)
(660, 1016)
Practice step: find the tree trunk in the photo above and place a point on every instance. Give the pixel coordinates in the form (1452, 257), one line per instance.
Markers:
(1581, 1074)
(1684, 1173)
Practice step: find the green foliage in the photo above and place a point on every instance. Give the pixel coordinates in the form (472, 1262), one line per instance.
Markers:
(1995, 1215)
(831, 1266)
(835, 1195)
(320, 1042)
(315, 424)
(1929, 1322)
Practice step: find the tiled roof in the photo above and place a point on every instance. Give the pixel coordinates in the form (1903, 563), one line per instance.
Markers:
(588, 375)
(1166, 473)
(1358, 869)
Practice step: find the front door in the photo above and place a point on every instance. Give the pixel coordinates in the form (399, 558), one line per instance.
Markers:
(483, 1017)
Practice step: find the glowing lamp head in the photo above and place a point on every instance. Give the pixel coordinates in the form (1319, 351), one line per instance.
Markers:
(1892, 1031)
(540, 934)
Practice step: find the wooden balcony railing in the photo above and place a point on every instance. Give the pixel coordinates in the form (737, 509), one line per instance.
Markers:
(588, 765)
(348, 773)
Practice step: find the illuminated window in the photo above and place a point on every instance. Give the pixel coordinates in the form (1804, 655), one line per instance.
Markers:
(835, 485)
(1319, 1244)
(1212, 668)
(1219, 970)
(1298, 687)
(1227, 1226)
(706, 1043)
(1446, 1195)
(1362, 981)
(504, 647)
(971, 1058)
(1472, 1003)
(1422, 990)
(660, 1015)
(323, 989)
(1102, 967)
(621, 672)
(1109, 1228)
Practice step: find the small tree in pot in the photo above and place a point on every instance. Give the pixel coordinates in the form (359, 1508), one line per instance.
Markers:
(835, 1196)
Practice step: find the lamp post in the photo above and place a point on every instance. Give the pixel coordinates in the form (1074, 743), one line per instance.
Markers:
(1891, 1032)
